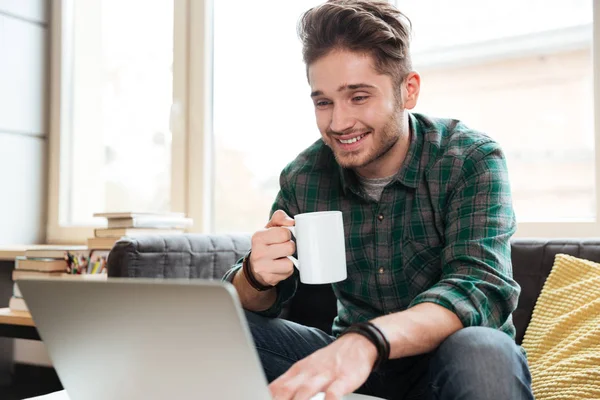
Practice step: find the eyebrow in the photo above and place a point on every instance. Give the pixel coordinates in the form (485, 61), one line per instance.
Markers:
(353, 86)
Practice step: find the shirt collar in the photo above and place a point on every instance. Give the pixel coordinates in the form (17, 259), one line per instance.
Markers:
(410, 171)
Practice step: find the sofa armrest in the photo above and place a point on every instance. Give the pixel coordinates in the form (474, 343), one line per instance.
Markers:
(176, 256)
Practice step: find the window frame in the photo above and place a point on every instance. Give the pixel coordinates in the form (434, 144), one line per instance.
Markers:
(190, 117)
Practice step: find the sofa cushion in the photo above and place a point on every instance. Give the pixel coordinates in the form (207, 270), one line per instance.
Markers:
(563, 338)
(532, 260)
(209, 257)
(176, 256)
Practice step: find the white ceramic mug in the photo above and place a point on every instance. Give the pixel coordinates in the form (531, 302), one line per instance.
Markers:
(321, 247)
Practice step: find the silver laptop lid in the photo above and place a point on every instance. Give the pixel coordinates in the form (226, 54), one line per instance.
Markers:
(146, 339)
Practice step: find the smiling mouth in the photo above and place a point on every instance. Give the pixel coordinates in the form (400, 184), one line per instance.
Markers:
(353, 140)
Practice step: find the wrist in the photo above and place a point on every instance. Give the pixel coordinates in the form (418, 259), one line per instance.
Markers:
(250, 278)
(377, 338)
(367, 347)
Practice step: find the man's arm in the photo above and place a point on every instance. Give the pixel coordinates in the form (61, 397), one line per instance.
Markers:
(269, 266)
(251, 298)
(267, 263)
(418, 330)
(267, 259)
(476, 286)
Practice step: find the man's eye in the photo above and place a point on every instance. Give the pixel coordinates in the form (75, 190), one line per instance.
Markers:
(360, 98)
(322, 103)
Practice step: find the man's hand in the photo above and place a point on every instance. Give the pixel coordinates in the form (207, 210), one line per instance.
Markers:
(270, 246)
(267, 263)
(338, 369)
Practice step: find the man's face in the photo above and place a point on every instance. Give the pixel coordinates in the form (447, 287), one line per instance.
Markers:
(357, 113)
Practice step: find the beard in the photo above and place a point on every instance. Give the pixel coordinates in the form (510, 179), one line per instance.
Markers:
(382, 141)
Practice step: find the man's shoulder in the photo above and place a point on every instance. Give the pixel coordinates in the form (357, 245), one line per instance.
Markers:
(452, 139)
(311, 162)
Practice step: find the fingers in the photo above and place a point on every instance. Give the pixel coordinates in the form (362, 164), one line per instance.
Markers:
(280, 218)
(298, 386)
(280, 270)
(281, 266)
(270, 246)
(284, 387)
(303, 387)
(336, 369)
(336, 390)
(280, 250)
(310, 387)
(270, 236)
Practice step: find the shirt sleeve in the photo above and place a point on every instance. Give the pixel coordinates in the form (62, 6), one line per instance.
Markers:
(476, 281)
(286, 289)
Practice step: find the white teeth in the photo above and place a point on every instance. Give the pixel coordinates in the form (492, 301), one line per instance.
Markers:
(356, 139)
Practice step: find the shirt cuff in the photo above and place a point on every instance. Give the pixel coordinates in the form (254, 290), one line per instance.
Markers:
(461, 306)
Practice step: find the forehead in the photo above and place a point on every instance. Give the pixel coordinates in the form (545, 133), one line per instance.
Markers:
(341, 67)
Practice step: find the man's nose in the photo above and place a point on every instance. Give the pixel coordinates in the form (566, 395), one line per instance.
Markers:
(341, 119)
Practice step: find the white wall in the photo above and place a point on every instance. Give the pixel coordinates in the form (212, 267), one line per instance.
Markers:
(24, 61)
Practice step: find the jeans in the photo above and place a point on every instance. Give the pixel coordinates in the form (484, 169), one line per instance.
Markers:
(473, 363)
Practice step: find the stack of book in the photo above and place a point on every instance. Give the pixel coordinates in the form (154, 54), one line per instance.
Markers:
(44, 262)
(136, 224)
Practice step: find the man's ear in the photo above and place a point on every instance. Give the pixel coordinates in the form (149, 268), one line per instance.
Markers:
(410, 90)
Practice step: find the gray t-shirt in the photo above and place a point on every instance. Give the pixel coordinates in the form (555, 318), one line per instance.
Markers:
(374, 186)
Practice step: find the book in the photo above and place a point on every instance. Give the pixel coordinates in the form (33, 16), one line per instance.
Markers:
(118, 232)
(40, 264)
(17, 304)
(150, 222)
(24, 274)
(53, 251)
(133, 214)
(16, 290)
(102, 243)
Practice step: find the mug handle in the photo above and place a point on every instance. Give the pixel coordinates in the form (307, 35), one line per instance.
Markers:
(292, 259)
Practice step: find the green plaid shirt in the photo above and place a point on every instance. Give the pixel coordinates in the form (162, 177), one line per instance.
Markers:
(439, 234)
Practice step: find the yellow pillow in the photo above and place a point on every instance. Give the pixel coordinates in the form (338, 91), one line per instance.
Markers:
(563, 337)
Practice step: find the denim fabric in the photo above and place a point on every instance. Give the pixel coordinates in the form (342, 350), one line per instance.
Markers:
(473, 363)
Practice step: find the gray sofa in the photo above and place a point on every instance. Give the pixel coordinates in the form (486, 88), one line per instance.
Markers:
(209, 256)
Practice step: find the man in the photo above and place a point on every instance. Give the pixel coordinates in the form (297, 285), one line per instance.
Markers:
(426, 309)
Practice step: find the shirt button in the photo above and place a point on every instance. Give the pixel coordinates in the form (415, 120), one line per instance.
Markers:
(381, 270)
(380, 217)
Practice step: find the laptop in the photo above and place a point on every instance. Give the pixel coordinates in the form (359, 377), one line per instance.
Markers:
(140, 338)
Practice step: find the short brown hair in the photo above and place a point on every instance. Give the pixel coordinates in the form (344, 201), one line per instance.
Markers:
(376, 28)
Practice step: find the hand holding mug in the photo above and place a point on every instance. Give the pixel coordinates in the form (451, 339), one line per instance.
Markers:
(270, 249)
(320, 243)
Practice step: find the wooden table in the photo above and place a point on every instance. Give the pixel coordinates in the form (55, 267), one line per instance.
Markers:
(17, 324)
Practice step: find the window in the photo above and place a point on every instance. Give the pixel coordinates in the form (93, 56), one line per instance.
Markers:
(166, 113)
(524, 77)
(112, 91)
(263, 115)
(118, 93)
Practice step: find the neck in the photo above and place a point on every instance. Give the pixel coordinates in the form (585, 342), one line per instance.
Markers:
(390, 162)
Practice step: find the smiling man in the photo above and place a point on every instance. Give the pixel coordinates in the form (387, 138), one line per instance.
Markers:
(426, 309)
